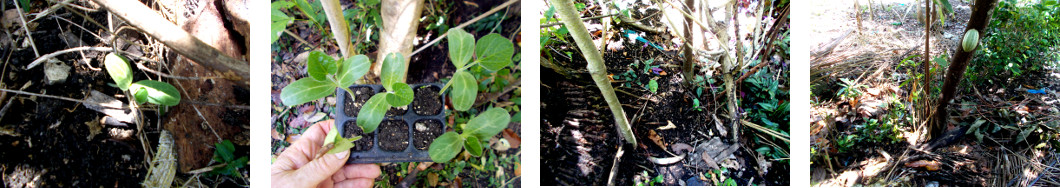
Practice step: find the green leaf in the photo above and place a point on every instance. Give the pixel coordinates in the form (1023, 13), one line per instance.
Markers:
(332, 135)
(494, 52)
(224, 151)
(140, 96)
(488, 123)
(945, 4)
(305, 90)
(975, 126)
(464, 90)
(352, 69)
(653, 86)
(461, 46)
(393, 70)
(118, 68)
(320, 65)
(343, 144)
(279, 19)
(473, 146)
(372, 113)
(445, 147)
(401, 95)
(158, 92)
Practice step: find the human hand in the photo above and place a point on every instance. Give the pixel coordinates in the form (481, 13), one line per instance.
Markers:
(296, 167)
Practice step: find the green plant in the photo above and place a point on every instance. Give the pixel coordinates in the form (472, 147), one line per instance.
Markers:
(333, 143)
(850, 90)
(224, 153)
(492, 52)
(325, 74)
(1019, 39)
(150, 91)
(649, 182)
(279, 19)
(480, 128)
(398, 93)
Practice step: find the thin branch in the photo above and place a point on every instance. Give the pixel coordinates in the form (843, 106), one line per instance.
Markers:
(41, 59)
(583, 19)
(29, 36)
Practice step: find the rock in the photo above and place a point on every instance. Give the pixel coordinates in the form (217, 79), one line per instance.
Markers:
(56, 71)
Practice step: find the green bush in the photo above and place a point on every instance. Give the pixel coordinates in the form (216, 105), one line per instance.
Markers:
(1018, 41)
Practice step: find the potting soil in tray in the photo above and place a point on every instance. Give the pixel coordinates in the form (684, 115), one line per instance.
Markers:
(404, 135)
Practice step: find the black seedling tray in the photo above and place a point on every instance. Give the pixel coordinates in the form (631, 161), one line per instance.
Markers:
(368, 149)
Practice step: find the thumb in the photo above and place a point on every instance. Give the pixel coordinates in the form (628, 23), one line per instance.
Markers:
(322, 168)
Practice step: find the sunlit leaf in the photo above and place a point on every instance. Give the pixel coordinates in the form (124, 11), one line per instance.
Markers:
(320, 65)
(158, 92)
(352, 69)
(488, 123)
(305, 90)
(393, 70)
(461, 46)
(372, 113)
(494, 52)
(118, 68)
(401, 96)
(445, 147)
(464, 90)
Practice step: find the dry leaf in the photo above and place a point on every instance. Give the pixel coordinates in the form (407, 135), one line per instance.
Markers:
(655, 138)
(669, 125)
(513, 138)
(929, 165)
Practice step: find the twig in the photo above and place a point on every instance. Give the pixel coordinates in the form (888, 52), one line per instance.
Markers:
(144, 68)
(29, 36)
(583, 19)
(461, 26)
(296, 37)
(41, 59)
(20, 92)
(614, 166)
(770, 132)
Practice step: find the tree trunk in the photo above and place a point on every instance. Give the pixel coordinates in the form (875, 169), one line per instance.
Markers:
(980, 17)
(689, 64)
(566, 12)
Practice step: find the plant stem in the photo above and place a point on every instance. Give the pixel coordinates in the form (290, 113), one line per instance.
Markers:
(333, 10)
(565, 10)
(460, 68)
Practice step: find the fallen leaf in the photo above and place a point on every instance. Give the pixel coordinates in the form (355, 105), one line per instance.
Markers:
(513, 138)
(518, 168)
(929, 165)
(669, 125)
(315, 117)
(277, 135)
(432, 179)
(655, 138)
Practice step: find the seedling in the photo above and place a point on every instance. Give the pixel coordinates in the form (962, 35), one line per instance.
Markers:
(333, 143)
(493, 52)
(325, 74)
(151, 91)
(480, 128)
(224, 152)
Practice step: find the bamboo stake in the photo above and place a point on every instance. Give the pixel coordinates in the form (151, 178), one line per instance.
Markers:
(565, 10)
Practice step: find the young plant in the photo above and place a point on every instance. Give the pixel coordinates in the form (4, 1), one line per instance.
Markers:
(333, 143)
(325, 74)
(397, 93)
(480, 128)
(151, 91)
(224, 153)
(493, 52)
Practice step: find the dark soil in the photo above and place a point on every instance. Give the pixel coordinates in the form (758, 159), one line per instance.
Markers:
(425, 132)
(351, 130)
(394, 135)
(361, 95)
(427, 102)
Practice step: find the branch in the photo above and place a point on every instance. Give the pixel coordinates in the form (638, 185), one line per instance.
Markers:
(149, 22)
(461, 26)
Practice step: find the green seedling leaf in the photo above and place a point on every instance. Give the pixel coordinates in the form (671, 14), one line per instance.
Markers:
(305, 90)
(372, 113)
(402, 95)
(461, 46)
(445, 147)
(464, 90)
(332, 135)
(140, 96)
(118, 68)
(473, 146)
(393, 70)
(224, 151)
(494, 52)
(488, 123)
(320, 65)
(279, 19)
(975, 126)
(352, 69)
(343, 144)
(158, 92)
(653, 86)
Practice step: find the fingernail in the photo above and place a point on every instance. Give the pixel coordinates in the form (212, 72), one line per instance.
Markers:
(343, 154)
